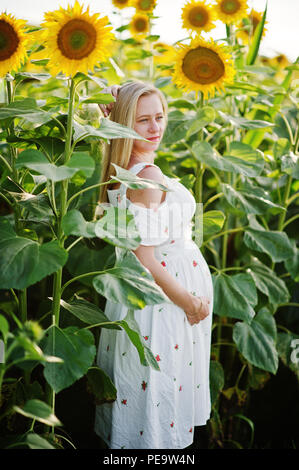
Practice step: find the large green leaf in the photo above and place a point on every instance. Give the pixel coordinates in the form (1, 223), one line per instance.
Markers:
(34, 441)
(73, 223)
(240, 158)
(213, 222)
(177, 127)
(37, 206)
(253, 201)
(268, 282)
(204, 116)
(216, 380)
(107, 130)
(276, 244)
(40, 411)
(99, 98)
(132, 181)
(131, 327)
(129, 283)
(82, 161)
(292, 263)
(256, 341)
(36, 160)
(101, 386)
(88, 313)
(234, 296)
(26, 109)
(76, 348)
(244, 123)
(23, 262)
(117, 227)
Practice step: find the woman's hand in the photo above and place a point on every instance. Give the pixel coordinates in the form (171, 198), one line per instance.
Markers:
(113, 90)
(199, 310)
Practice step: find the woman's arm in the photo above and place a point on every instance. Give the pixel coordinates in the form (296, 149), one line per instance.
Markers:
(174, 291)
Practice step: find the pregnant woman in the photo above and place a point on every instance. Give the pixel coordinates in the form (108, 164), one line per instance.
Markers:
(156, 409)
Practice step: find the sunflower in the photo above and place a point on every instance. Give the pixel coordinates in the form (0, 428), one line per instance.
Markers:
(248, 26)
(143, 6)
(204, 66)
(139, 26)
(13, 43)
(74, 40)
(121, 3)
(231, 11)
(197, 16)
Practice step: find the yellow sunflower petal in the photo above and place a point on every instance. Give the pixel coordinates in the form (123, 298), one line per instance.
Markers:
(247, 27)
(75, 41)
(198, 16)
(204, 67)
(143, 6)
(13, 43)
(231, 11)
(139, 26)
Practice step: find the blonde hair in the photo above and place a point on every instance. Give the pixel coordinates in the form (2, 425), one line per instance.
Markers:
(119, 151)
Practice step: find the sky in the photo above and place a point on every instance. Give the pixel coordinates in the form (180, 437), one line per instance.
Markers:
(282, 35)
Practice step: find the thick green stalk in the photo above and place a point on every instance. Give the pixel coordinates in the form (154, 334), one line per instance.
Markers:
(63, 205)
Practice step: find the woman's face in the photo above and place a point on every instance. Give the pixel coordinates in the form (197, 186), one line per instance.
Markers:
(149, 123)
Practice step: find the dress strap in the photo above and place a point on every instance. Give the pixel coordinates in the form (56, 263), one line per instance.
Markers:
(135, 169)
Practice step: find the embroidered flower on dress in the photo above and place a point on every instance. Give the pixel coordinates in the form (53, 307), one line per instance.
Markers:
(163, 263)
(146, 338)
(144, 385)
(172, 424)
(124, 402)
(181, 388)
(176, 346)
(194, 263)
(158, 358)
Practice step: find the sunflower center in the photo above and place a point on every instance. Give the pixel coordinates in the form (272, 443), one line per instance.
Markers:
(202, 65)
(145, 4)
(122, 1)
(198, 16)
(77, 39)
(230, 6)
(140, 25)
(9, 40)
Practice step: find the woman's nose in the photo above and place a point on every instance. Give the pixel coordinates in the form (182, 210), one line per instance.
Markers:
(154, 126)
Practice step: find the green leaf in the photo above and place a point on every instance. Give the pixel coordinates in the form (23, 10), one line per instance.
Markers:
(107, 130)
(257, 37)
(26, 109)
(268, 282)
(99, 98)
(131, 327)
(184, 104)
(4, 326)
(204, 116)
(117, 227)
(82, 162)
(256, 341)
(37, 206)
(40, 411)
(101, 386)
(76, 348)
(129, 283)
(292, 263)
(252, 200)
(88, 313)
(241, 158)
(34, 441)
(24, 262)
(244, 123)
(132, 181)
(216, 380)
(233, 297)
(36, 160)
(73, 223)
(213, 222)
(276, 244)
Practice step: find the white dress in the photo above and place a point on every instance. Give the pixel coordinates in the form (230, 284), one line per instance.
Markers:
(159, 409)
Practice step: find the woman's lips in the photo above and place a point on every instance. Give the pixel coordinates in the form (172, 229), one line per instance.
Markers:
(153, 139)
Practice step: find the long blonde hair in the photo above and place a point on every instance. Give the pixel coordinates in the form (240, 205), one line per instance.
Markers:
(119, 151)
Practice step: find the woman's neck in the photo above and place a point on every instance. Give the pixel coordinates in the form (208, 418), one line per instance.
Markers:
(143, 157)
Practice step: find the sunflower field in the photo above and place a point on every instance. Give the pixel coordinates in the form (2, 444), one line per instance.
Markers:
(232, 140)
